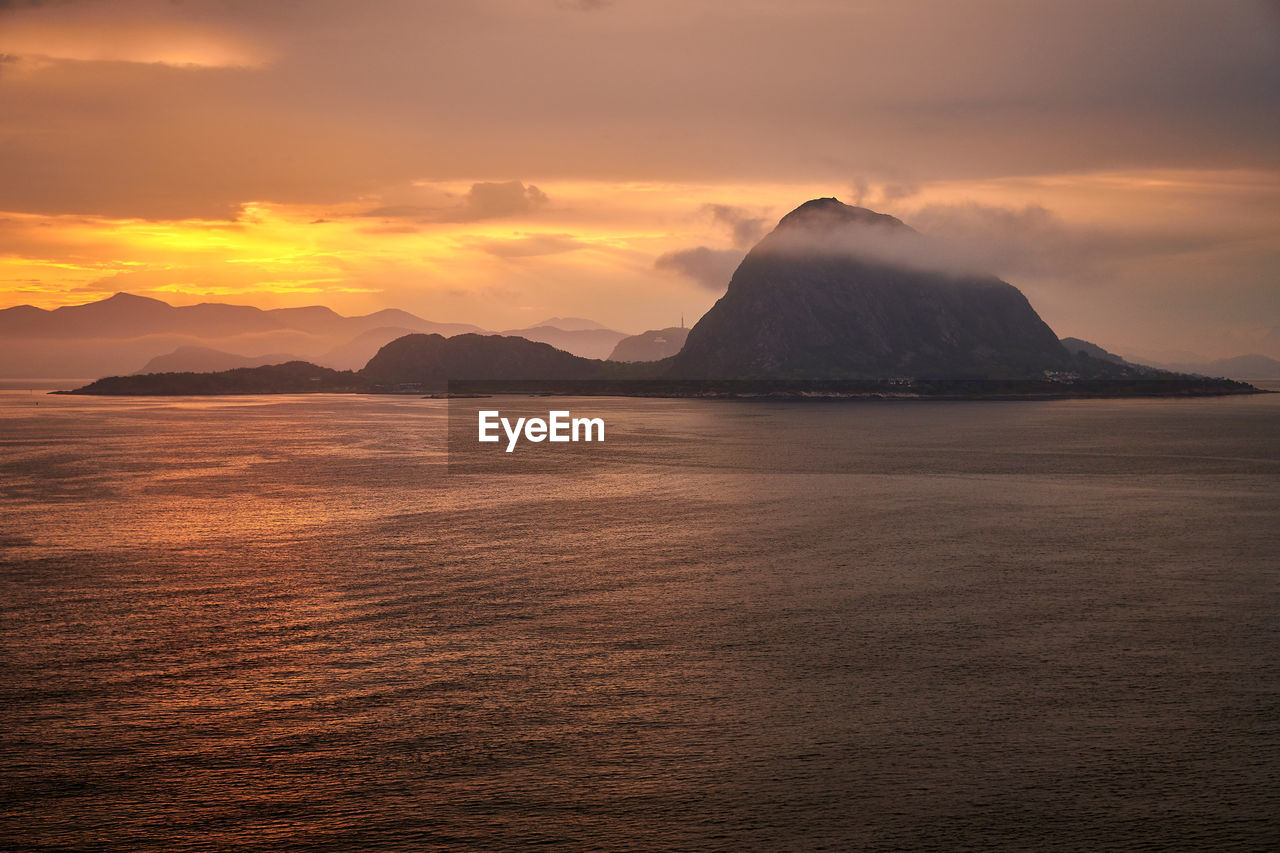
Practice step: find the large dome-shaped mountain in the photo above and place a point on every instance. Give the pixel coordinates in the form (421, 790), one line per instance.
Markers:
(836, 291)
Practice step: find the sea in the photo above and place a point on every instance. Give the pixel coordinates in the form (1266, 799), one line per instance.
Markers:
(289, 623)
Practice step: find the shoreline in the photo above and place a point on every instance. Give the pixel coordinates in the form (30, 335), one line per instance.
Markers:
(741, 390)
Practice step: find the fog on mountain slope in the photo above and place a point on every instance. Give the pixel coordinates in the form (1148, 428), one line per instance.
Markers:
(585, 343)
(195, 359)
(833, 292)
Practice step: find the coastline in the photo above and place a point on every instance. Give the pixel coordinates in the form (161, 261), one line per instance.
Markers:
(170, 385)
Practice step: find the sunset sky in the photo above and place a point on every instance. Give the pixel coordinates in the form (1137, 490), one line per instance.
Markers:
(501, 162)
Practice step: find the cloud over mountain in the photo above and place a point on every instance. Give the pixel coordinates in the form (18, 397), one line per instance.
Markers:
(710, 268)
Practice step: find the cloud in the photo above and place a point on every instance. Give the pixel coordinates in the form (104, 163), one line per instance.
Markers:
(341, 111)
(1031, 240)
(138, 31)
(390, 228)
(859, 190)
(710, 268)
(339, 103)
(485, 200)
(959, 239)
(1028, 240)
(745, 228)
(897, 190)
(881, 190)
(532, 245)
(584, 5)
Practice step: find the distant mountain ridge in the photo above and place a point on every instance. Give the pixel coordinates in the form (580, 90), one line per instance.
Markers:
(572, 324)
(125, 333)
(1251, 366)
(834, 293)
(1242, 367)
(352, 355)
(127, 316)
(653, 345)
(122, 333)
(586, 343)
(1077, 345)
(193, 359)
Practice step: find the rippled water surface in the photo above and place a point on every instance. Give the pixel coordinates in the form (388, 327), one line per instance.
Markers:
(278, 623)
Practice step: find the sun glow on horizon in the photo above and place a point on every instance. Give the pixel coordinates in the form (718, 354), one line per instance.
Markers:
(589, 250)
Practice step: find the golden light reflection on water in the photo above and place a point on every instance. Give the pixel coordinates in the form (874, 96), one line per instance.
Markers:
(263, 623)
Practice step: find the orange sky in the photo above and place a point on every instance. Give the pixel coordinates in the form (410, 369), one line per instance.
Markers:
(501, 162)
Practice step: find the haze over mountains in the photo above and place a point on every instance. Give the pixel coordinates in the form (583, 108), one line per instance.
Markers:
(135, 334)
(833, 292)
(1244, 367)
(194, 359)
(585, 342)
(653, 345)
(122, 333)
(1252, 366)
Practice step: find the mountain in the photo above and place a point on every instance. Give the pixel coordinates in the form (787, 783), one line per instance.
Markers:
(42, 357)
(421, 362)
(117, 334)
(834, 292)
(1083, 347)
(433, 360)
(352, 355)
(585, 343)
(817, 298)
(572, 324)
(653, 345)
(355, 353)
(192, 359)
(133, 315)
(408, 363)
(127, 316)
(395, 317)
(1252, 366)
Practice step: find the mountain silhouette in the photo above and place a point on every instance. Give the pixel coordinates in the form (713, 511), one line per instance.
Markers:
(586, 343)
(193, 359)
(121, 332)
(1092, 350)
(432, 360)
(653, 345)
(293, 377)
(127, 316)
(1251, 366)
(833, 292)
(572, 324)
(124, 331)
